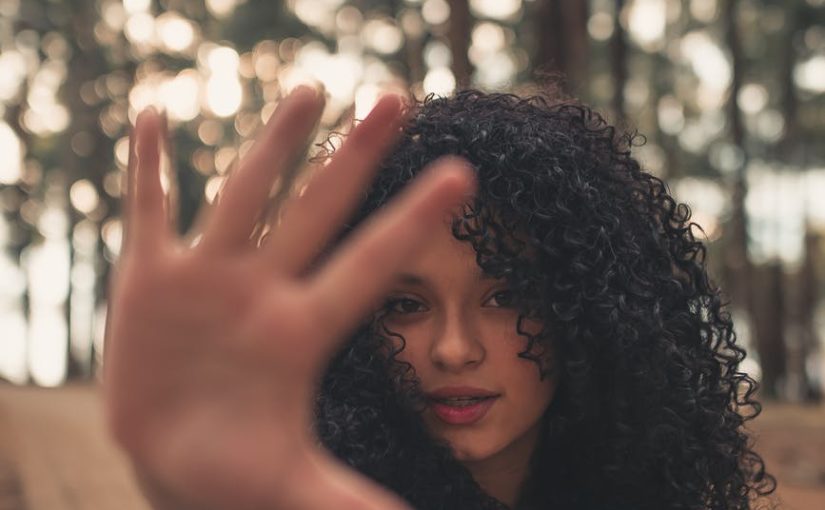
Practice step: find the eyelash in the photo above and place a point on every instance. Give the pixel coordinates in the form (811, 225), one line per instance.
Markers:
(392, 302)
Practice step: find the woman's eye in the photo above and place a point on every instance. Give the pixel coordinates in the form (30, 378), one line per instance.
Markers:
(403, 306)
(502, 299)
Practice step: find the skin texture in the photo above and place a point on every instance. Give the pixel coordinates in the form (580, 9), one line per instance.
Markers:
(460, 330)
(213, 350)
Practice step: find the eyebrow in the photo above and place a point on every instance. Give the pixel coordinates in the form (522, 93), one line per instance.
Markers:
(411, 279)
(414, 279)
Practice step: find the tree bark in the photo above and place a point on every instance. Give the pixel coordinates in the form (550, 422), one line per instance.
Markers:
(766, 316)
(790, 101)
(459, 37)
(618, 61)
(769, 325)
(563, 42)
(86, 63)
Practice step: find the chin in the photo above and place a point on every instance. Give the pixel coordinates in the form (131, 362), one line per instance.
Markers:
(468, 445)
(465, 457)
(475, 451)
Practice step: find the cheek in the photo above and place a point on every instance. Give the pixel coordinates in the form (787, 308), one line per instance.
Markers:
(521, 376)
(414, 348)
(540, 350)
(527, 393)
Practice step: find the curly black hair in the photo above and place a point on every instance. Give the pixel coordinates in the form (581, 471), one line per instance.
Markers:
(651, 406)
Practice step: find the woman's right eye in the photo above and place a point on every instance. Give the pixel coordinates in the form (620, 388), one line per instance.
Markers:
(403, 306)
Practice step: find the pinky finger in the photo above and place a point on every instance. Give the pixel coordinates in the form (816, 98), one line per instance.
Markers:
(147, 223)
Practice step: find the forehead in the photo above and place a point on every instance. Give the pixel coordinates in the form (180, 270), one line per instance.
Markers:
(442, 257)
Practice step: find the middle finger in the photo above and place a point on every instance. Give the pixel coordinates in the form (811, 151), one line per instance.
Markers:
(247, 189)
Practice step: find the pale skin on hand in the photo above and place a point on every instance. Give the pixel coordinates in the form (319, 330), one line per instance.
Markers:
(214, 351)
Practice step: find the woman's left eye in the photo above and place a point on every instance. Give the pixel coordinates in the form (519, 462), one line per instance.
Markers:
(502, 299)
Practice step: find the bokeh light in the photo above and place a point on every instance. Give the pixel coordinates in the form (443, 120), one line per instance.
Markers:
(223, 88)
(12, 151)
(646, 21)
(496, 9)
(439, 81)
(810, 74)
(176, 32)
(435, 12)
(181, 95)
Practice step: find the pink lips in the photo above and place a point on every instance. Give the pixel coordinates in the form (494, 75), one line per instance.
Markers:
(461, 415)
(465, 415)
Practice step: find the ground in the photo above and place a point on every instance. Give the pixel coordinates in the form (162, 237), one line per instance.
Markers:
(791, 438)
(55, 454)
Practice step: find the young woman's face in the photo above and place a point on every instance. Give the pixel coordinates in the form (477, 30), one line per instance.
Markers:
(461, 338)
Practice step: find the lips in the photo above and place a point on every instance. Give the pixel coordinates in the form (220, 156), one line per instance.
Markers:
(461, 405)
(448, 392)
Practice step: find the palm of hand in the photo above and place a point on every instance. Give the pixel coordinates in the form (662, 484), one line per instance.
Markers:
(214, 350)
(207, 382)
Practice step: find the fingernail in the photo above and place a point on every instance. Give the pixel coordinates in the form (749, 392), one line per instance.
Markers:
(143, 113)
(307, 88)
(399, 101)
(320, 89)
(149, 111)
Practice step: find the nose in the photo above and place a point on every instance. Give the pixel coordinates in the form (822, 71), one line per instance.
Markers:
(456, 345)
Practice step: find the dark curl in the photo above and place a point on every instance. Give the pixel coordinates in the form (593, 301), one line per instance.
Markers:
(650, 407)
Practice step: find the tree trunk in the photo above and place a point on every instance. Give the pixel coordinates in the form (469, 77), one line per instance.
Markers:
(790, 102)
(807, 305)
(575, 14)
(766, 316)
(459, 37)
(563, 42)
(769, 322)
(85, 65)
(618, 61)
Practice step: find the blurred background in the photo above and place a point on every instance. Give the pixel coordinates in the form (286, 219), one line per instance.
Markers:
(730, 95)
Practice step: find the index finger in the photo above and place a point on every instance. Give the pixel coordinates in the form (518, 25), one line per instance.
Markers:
(347, 286)
(247, 188)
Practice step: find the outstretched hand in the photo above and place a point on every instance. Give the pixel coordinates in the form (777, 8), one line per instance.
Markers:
(214, 350)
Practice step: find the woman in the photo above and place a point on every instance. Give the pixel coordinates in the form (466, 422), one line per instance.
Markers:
(547, 340)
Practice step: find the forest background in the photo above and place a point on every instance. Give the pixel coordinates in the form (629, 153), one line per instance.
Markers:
(729, 94)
